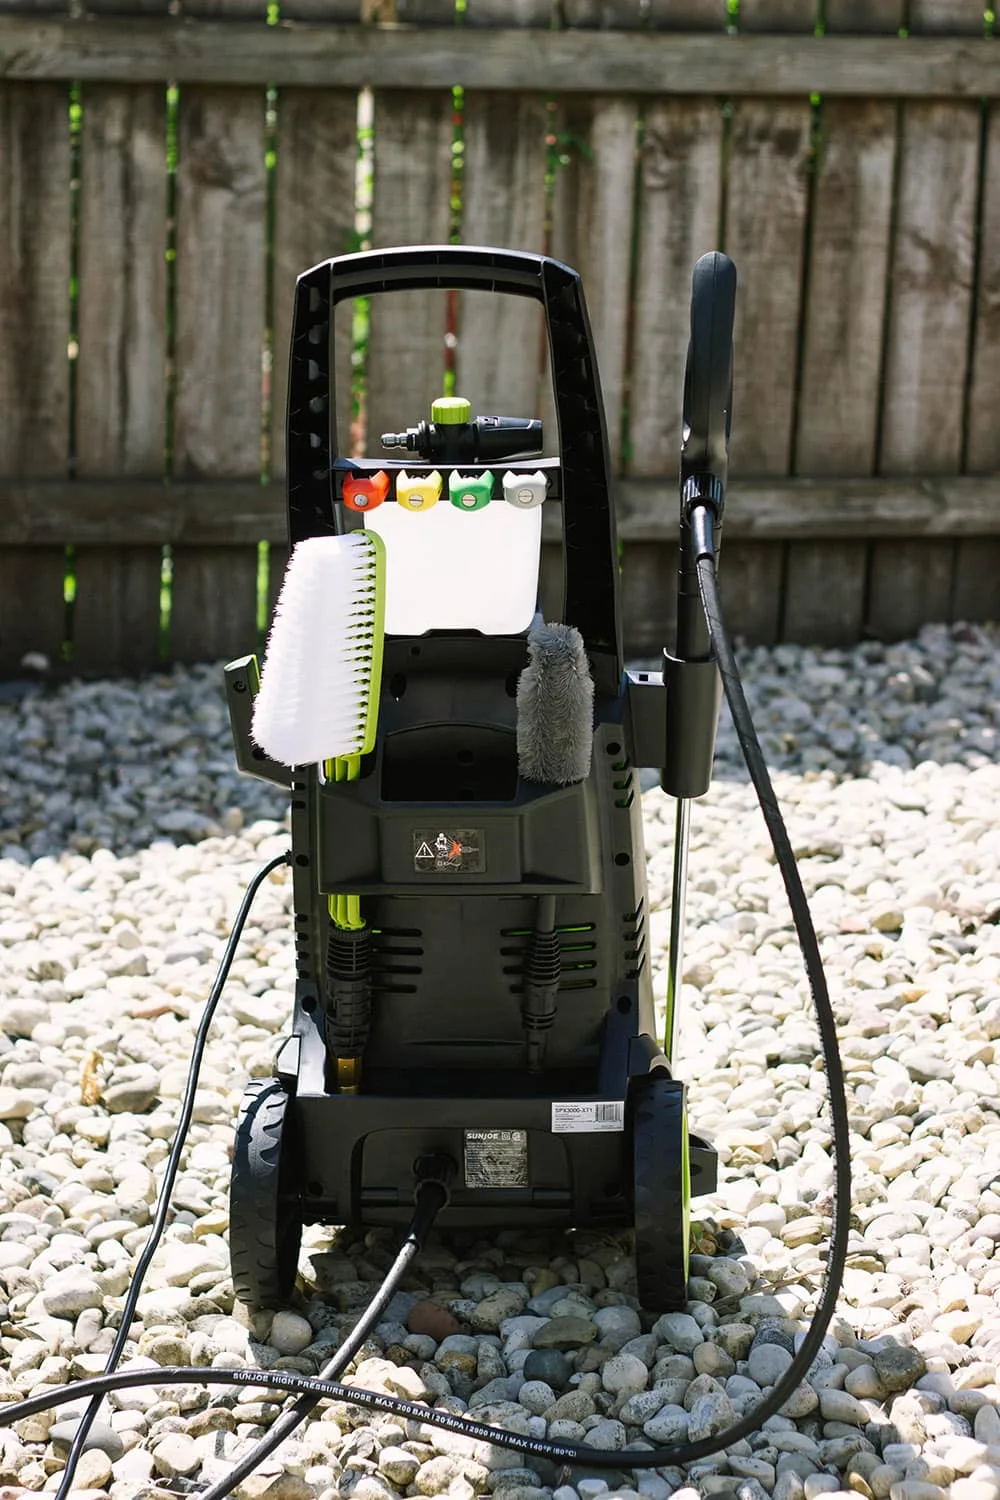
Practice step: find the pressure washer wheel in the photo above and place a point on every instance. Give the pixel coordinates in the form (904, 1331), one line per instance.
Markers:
(661, 1190)
(265, 1224)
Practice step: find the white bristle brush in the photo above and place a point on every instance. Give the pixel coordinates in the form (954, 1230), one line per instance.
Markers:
(318, 696)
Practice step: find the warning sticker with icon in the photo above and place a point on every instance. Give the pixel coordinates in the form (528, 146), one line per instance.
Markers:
(438, 851)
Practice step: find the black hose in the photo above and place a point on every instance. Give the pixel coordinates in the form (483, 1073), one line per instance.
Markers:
(431, 1195)
(172, 1166)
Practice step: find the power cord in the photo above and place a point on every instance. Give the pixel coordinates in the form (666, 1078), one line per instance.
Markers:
(311, 1390)
(434, 1176)
(170, 1174)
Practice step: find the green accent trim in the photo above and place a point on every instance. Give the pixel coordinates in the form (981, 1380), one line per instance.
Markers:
(685, 1188)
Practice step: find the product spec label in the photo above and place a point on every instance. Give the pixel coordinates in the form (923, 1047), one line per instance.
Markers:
(496, 1158)
(588, 1117)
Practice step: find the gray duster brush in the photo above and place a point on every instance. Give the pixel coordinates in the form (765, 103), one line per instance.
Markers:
(555, 707)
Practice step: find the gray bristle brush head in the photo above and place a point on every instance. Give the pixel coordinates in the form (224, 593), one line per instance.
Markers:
(555, 707)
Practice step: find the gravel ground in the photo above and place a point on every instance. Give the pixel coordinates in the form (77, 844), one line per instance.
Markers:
(126, 839)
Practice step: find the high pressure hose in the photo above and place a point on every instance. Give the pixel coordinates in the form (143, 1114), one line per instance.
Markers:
(431, 1193)
(433, 1175)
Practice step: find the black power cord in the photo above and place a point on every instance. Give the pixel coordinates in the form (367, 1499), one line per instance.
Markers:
(431, 1194)
(170, 1174)
(311, 1390)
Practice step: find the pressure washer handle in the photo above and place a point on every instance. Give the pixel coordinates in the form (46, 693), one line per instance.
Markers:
(708, 400)
(693, 688)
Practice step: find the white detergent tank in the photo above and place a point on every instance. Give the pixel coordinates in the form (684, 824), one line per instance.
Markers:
(449, 569)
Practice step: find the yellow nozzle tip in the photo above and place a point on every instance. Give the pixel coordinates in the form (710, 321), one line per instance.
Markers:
(451, 411)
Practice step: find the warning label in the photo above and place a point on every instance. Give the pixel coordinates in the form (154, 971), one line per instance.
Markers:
(496, 1158)
(588, 1117)
(439, 851)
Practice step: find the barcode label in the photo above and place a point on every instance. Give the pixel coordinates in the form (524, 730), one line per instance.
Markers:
(590, 1116)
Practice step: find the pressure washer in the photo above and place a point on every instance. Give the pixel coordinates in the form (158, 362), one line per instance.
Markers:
(473, 1040)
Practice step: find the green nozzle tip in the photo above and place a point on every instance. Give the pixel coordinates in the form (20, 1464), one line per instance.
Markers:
(451, 411)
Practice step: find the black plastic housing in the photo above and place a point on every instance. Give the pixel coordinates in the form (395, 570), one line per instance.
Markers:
(445, 1052)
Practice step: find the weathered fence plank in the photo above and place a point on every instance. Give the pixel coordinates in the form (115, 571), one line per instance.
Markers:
(34, 336)
(863, 17)
(680, 188)
(313, 219)
(842, 358)
(413, 138)
(688, 15)
(121, 369)
(910, 584)
(932, 266)
(626, 62)
(220, 325)
(777, 15)
(592, 217)
(950, 17)
(852, 211)
(983, 450)
(38, 512)
(500, 346)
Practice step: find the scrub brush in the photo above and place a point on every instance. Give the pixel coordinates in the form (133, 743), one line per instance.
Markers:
(318, 702)
(318, 698)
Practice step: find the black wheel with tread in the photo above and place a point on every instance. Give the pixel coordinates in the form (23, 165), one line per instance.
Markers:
(661, 1190)
(265, 1225)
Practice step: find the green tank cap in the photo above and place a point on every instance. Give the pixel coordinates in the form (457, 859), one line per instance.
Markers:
(451, 411)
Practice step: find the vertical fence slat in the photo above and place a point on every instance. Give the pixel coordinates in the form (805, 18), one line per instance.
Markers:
(984, 414)
(592, 219)
(34, 336)
(220, 320)
(121, 369)
(680, 195)
(947, 17)
(842, 358)
(688, 15)
(860, 17)
(766, 195)
(413, 136)
(927, 345)
(777, 15)
(503, 203)
(313, 219)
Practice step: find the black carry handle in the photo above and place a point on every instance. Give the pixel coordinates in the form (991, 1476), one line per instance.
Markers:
(590, 542)
(708, 376)
(441, 267)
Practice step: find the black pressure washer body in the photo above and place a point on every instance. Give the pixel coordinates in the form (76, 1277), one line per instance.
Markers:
(414, 1040)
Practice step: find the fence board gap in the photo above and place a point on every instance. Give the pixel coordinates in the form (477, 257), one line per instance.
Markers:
(910, 583)
(680, 198)
(316, 158)
(592, 218)
(932, 265)
(766, 196)
(976, 594)
(220, 323)
(983, 448)
(503, 190)
(411, 206)
(824, 592)
(838, 405)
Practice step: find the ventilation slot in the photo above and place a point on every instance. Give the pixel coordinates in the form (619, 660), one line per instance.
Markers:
(396, 952)
(634, 941)
(623, 783)
(577, 944)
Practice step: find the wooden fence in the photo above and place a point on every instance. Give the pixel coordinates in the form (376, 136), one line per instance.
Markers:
(164, 176)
